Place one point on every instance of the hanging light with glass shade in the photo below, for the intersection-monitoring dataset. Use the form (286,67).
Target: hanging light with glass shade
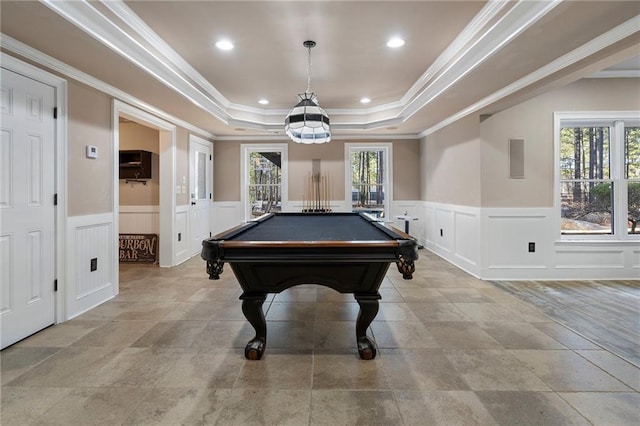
(308,123)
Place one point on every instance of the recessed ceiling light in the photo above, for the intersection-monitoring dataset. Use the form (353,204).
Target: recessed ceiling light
(395,42)
(365,100)
(263,101)
(224,45)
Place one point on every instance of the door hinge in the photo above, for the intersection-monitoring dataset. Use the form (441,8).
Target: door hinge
(210,235)
(210,196)
(55,285)
(210,157)
(55,199)
(55,113)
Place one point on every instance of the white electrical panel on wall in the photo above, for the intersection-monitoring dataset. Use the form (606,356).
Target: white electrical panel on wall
(92,151)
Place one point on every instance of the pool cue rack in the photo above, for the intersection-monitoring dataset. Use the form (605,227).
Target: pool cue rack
(317,195)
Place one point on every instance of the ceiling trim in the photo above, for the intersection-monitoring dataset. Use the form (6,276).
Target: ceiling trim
(618,33)
(28,52)
(616,74)
(520,17)
(467,36)
(86,17)
(496,25)
(132,38)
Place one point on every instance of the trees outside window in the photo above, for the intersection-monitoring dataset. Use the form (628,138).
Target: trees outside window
(599,171)
(264,178)
(369,173)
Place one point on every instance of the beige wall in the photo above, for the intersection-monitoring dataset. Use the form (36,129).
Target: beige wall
(90,181)
(132,135)
(226,171)
(533,122)
(406,155)
(182,164)
(450,160)
(467,162)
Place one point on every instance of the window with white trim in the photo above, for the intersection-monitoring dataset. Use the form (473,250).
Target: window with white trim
(264,177)
(598,184)
(368,177)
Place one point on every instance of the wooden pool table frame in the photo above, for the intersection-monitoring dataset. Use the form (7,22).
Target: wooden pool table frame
(264,267)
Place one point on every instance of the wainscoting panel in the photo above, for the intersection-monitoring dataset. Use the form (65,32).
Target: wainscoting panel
(139,220)
(508,234)
(182,234)
(226,215)
(467,238)
(634,256)
(411,208)
(453,233)
(444,229)
(90,238)
(577,258)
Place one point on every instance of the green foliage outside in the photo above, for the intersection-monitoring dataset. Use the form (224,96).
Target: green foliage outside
(602,201)
(585,160)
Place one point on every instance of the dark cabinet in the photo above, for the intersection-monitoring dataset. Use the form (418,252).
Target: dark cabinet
(135,164)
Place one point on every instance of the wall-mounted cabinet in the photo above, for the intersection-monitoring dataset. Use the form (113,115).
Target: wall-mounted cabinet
(135,164)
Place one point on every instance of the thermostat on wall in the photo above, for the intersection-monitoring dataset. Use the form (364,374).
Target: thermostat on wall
(92,151)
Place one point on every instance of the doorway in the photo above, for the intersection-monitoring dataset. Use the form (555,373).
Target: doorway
(166,176)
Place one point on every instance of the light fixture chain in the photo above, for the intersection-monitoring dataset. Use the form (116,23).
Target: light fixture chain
(309,71)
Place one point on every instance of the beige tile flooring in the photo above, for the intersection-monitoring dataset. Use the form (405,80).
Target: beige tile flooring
(452,350)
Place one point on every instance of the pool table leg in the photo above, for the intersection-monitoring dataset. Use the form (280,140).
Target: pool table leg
(368,311)
(252,310)
(406,268)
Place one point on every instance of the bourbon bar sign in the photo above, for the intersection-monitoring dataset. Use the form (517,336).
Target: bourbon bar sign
(138,248)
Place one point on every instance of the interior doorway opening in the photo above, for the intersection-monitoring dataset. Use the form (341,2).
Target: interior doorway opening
(166,170)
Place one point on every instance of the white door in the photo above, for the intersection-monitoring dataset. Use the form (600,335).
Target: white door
(27,216)
(200,174)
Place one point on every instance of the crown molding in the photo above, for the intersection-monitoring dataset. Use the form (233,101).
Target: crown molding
(616,74)
(618,33)
(44,60)
(154,62)
(497,24)
(520,17)
(133,39)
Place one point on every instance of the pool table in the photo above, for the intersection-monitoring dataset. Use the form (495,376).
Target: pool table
(348,252)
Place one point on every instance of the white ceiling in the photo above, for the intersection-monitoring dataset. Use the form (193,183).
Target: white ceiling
(460,57)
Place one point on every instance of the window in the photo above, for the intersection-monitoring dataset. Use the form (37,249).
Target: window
(264,177)
(598,174)
(368,188)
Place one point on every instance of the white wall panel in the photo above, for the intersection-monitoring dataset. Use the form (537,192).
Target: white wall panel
(182,237)
(466,237)
(635,259)
(90,237)
(225,215)
(507,235)
(577,258)
(443,238)
(139,220)
(460,239)
(412,209)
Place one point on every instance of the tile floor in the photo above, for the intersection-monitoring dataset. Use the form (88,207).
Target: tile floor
(452,350)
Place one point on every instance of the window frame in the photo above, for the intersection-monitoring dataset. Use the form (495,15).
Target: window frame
(616,121)
(246,150)
(387,147)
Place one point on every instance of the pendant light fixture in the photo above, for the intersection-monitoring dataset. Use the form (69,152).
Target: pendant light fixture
(308,123)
